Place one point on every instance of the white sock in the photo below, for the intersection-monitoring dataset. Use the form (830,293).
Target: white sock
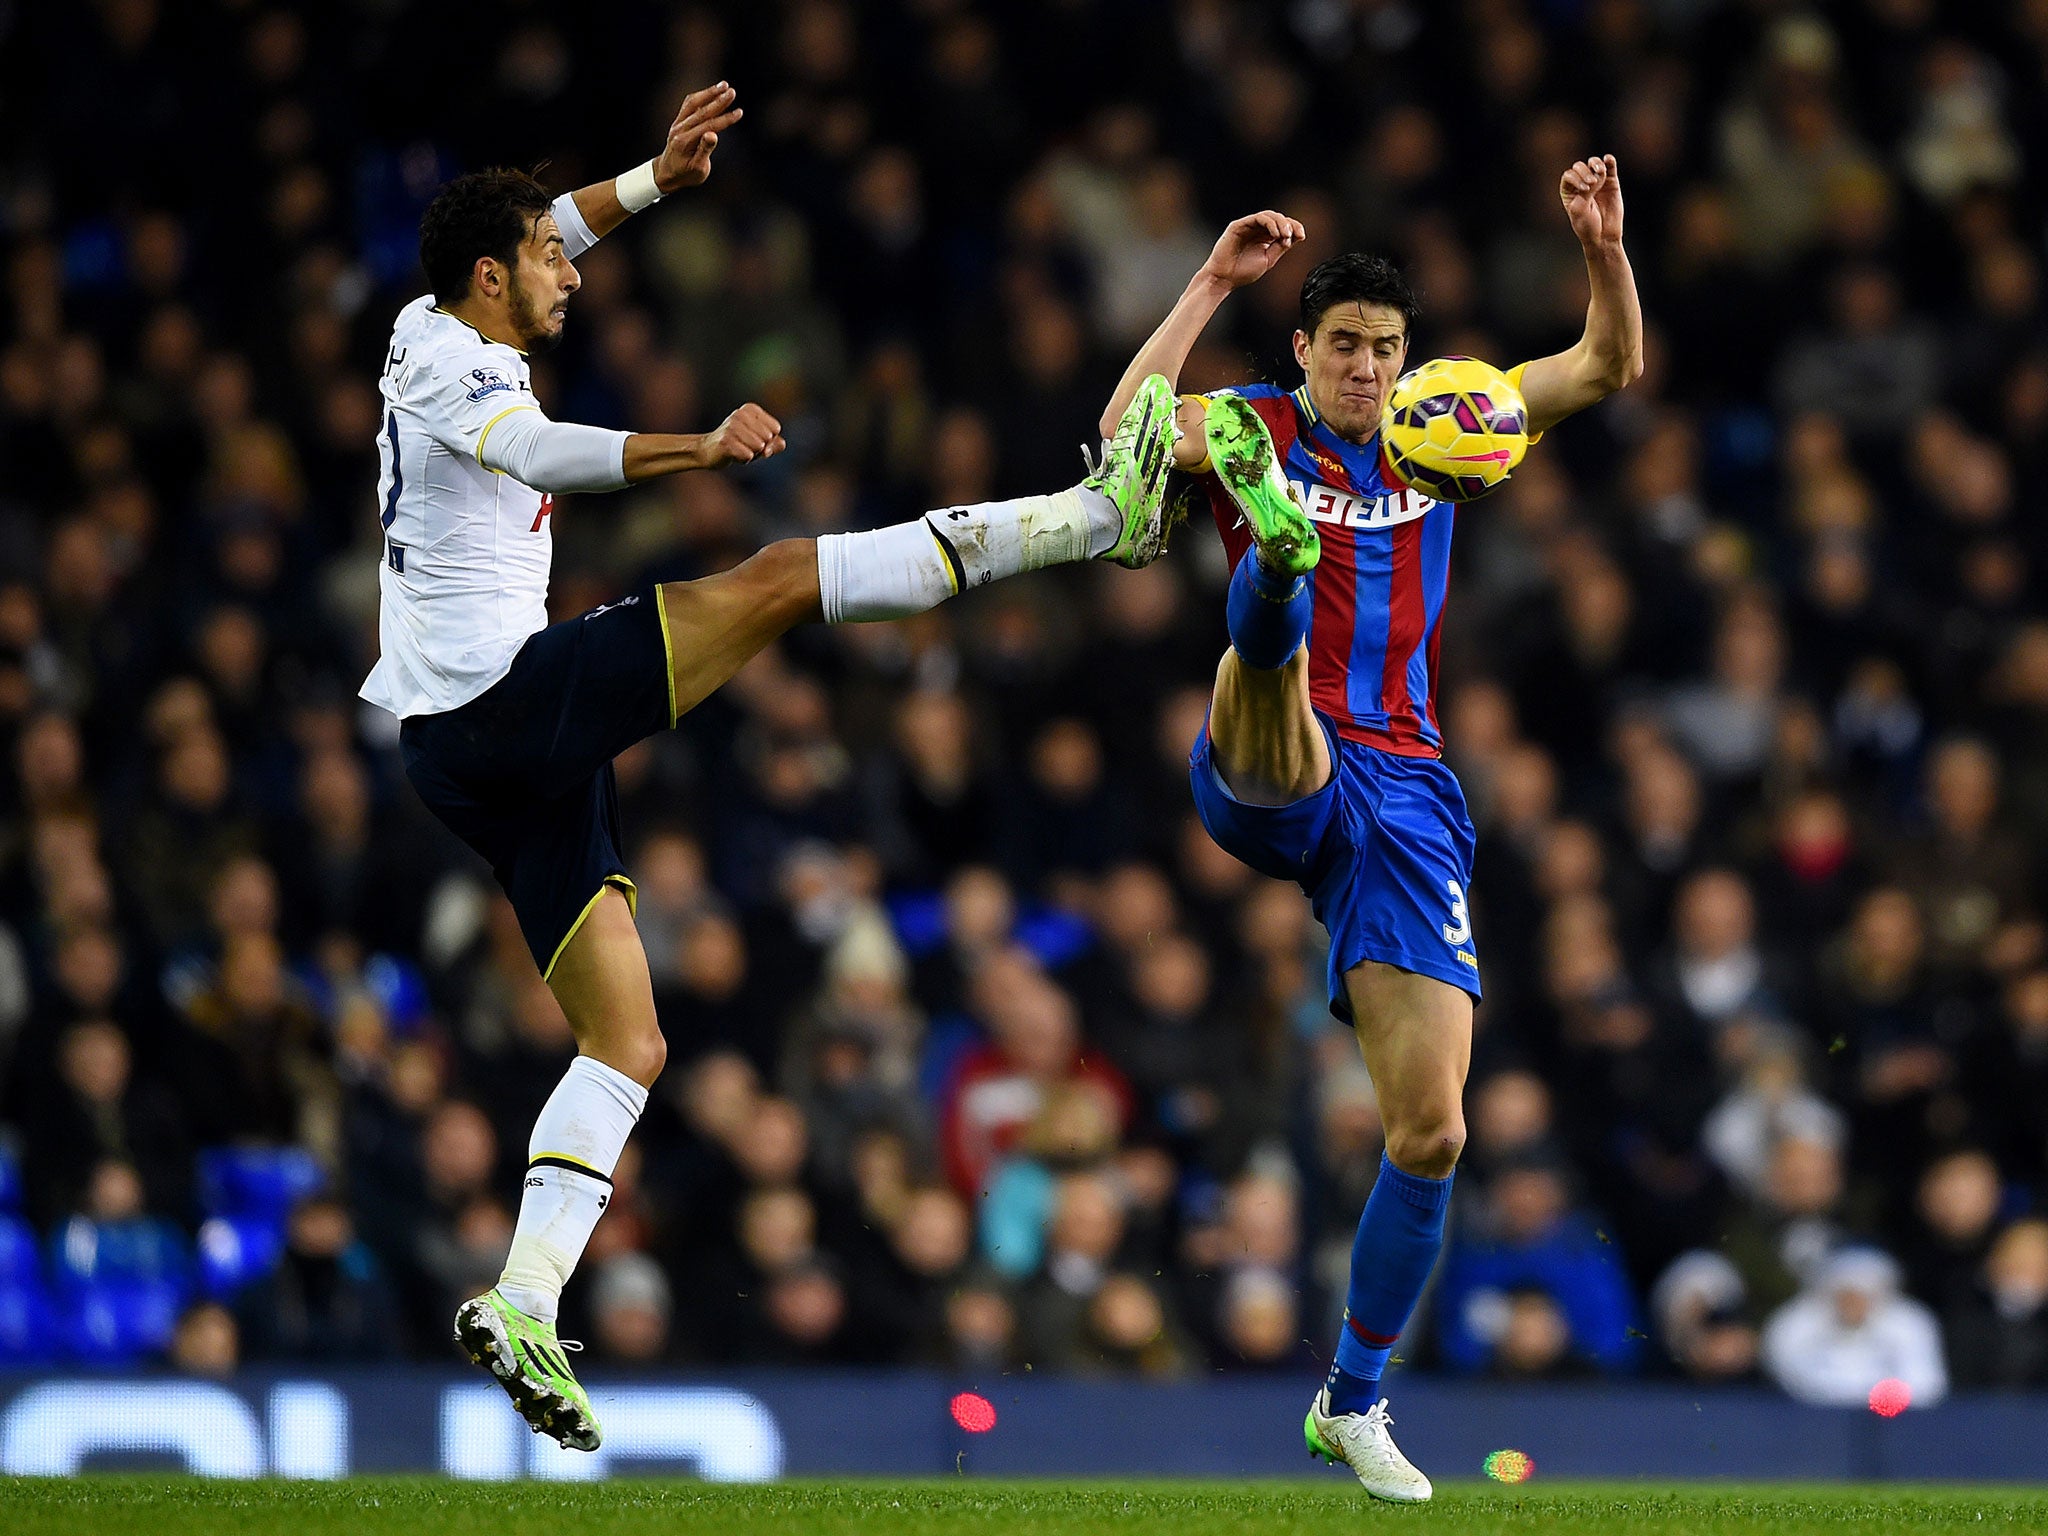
(892,573)
(576,1144)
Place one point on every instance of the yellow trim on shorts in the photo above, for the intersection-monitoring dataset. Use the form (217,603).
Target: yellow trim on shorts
(668,649)
(1203,401)
(563,1157)
(632,894)
(485,435)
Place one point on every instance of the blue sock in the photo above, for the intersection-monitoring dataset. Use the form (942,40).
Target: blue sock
(1268,614)
(1396,1247)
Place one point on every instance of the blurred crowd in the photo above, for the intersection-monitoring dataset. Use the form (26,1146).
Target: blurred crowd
(982,1055)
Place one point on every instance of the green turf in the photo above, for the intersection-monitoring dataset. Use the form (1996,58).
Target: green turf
(151,1506)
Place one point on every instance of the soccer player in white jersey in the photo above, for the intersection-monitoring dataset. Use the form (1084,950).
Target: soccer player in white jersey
(510,724)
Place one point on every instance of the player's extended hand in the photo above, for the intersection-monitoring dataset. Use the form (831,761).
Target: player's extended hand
(1591,191)
(1251,246)
(749,433)
(685,160)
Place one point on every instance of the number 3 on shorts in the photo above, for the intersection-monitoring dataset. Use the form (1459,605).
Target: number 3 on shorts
(1459,928)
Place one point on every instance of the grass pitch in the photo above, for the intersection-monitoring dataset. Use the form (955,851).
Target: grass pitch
(160,1506)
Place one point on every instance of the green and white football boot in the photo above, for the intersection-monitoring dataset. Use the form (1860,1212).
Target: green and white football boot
(1363,1443)
(1133,472)
(1241,454)
(529,1363)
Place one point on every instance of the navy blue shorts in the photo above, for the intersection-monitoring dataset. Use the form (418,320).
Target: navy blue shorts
(523,772)
(1384,851)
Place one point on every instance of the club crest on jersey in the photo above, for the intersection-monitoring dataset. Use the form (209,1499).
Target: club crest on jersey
(1326,504)
(486,381)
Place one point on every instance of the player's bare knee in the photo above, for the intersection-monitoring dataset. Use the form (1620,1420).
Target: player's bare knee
(1427,1145)
(640,1056)
(787,574)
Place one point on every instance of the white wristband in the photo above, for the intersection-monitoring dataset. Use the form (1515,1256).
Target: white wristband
(636,188)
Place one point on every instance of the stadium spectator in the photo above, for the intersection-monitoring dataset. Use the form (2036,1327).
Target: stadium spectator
(1537,1288)
(1779,1240)
(326,1300)
(998,1089)
(900,1302)
(1699,1305)
(630,1302)
(206,1342)
(1715,970)
(97,1109)
(1851,1329)
(1956,1210)
(1998,1336)
(1082,1239)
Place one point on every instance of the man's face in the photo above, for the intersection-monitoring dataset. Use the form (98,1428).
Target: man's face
(1352,362)
(538,287)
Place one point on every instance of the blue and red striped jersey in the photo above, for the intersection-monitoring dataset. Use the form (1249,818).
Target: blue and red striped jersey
(1380,589)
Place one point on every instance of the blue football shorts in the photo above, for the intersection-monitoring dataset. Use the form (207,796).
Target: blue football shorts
(1384,851)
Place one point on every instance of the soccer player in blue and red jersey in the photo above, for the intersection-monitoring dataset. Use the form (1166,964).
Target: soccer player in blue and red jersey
(1321,761)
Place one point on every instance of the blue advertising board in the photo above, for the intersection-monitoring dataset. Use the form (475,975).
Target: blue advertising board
(757,1426)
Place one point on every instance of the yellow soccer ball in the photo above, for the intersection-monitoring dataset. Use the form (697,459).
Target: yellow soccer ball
(1455,429)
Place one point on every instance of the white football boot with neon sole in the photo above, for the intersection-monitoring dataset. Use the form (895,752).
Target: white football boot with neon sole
(1362,1442)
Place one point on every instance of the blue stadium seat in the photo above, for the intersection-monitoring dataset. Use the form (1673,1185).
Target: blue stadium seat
(84,1253)
(262,1183)
(27,1323)
(1054,936)
(236,1251)
(28,1331)
(398,985)
(118,1287)
(113,1322)
(21,1259)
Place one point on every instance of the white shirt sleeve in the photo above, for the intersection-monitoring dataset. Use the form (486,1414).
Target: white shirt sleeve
(576,235)
(556,455)
(477,403)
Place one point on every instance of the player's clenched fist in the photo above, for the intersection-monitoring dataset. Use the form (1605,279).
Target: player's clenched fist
(749,433)
(1251,246)
(1591,192)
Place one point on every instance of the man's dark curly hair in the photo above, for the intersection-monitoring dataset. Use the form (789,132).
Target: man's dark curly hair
(485,213)
(1356,278)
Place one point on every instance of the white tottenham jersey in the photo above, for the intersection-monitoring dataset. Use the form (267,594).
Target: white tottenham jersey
(467,550)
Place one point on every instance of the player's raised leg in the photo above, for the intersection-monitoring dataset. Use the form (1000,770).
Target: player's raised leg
(715,625)
(1268,744)
(601,980)
(1116,514)
(1416,1035)
(710,629)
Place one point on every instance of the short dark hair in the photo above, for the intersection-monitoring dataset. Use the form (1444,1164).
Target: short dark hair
(485,213)
(1356,278)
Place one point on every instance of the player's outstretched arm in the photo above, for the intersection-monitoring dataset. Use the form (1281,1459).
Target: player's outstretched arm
(749,433)
(1609,356)
(562,456)
(684,161)
(1246,252)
